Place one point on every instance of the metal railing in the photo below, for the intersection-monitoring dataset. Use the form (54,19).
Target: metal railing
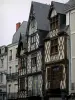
(12,95)
(11,76)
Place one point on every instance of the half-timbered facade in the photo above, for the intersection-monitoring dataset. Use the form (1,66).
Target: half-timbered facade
(22,62)
(56,55)
(37,28)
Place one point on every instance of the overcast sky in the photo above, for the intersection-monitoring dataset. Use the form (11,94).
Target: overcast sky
(11,12)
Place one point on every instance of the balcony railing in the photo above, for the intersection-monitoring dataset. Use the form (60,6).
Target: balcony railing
(12,76)
(22,94)
(34,93)
(12,96)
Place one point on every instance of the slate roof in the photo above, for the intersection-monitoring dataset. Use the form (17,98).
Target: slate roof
(41,15)
(21,30)
(71,4)
(59,7)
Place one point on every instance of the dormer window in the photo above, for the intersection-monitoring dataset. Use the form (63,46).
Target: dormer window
(54,22)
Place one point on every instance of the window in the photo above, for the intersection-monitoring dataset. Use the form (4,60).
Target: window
(54,75)
(34,85)
(10,56)
(10,70)
(54,46)
(16,53)
(9,88)
(2,62)
(5,49)
(15,88)
(48,74)
(22,62)
(1,77)
(22,84)
(33,39)
(25,62)
(0,51)
(16,67)
(33,60)
(54,22)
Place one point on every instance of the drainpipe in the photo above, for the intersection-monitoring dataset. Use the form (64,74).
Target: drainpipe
(6,76)
(70,59)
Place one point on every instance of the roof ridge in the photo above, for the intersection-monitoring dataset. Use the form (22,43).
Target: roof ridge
(58,2)
(24,21)
(40,3)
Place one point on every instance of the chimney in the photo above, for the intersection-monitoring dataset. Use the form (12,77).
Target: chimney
(18,25)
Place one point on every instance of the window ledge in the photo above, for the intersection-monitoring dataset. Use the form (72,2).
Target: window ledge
(54,54)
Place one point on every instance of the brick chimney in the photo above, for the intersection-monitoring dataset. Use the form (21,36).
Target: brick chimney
(18,25)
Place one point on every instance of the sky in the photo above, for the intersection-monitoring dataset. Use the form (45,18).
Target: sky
(12,12)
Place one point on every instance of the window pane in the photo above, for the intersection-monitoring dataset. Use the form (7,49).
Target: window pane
(33,39)
(16,67)
(48,74)
(22,83)
(33,61)
(2,62)
(1,77)
(54,46)
(10,55)
(54,22)
(10,70)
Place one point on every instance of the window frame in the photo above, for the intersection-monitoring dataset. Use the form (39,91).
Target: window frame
(9,88)
(54,22)
(2,63)
(16,53)
(1,77)
(16,67)
(10,69)
(22,83)
(33,39)
(53,70)
(22,63)
(10,55)
(0,50)
(48,74)
(33,60)
(54,46)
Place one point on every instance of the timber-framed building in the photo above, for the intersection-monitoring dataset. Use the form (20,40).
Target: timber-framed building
(44,53)
(56,51)
(31,58)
